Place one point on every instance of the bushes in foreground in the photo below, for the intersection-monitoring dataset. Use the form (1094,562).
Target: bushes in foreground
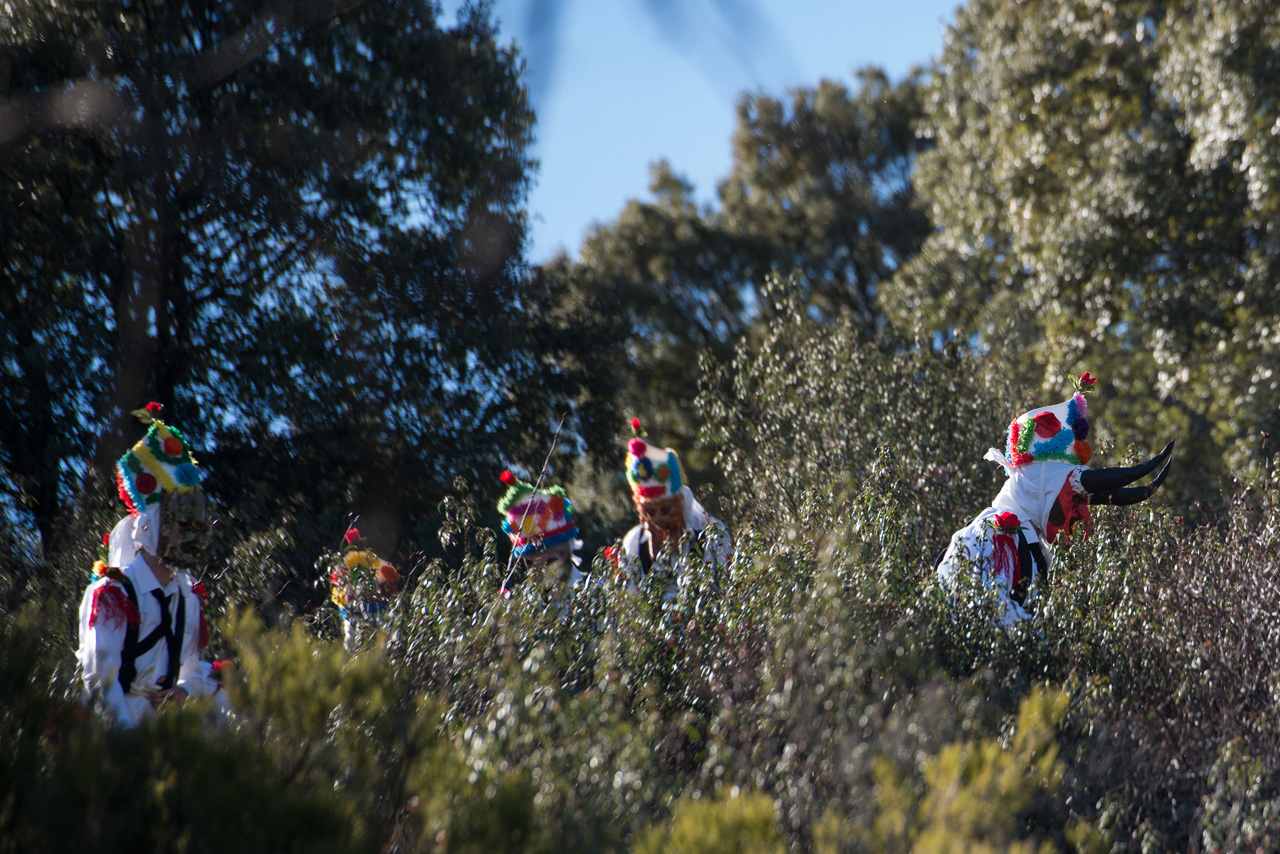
(824,697)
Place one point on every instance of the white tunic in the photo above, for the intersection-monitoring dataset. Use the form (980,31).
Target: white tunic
(1030,492)
(717,546)
(101,646)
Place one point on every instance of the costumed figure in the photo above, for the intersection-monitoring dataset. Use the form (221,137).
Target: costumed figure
(141,622)
(543,534)
(667,511)
(362,586)
(1048,492)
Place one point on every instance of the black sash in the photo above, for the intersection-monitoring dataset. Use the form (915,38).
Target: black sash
(1028,556)
(171,631)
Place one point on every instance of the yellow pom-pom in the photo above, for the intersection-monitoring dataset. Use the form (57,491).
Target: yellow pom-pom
(355,558)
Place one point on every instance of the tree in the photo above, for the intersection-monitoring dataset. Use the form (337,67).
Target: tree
(819,188)
(1102,202)
(298,225)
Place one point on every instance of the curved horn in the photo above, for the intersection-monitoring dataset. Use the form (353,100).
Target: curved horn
(1105,480)
(1125,495)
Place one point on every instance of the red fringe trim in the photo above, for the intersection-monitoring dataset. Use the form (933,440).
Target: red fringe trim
(124,493)
(204,631)
(1004,559)
(112,604)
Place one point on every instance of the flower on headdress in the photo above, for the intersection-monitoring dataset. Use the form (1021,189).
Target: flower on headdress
(635,426)
(1085,384)
(352,535)
(507,477)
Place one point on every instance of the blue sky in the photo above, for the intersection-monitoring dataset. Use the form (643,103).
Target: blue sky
(616,87)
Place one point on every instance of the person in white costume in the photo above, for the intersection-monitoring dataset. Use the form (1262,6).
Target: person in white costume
(674,527)
(141,624)
(1050,486)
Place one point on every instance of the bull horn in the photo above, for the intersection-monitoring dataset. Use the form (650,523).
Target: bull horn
(1106,480)
(1125,495)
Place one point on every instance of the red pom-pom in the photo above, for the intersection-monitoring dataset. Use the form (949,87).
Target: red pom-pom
(1048,425)
(635,425)
(352,535)
(507,477)
(637,447)
(154,408)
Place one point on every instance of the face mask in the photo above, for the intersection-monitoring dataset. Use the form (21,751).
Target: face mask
(1070,508)
(187,530)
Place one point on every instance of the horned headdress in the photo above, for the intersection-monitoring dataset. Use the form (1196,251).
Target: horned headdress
(1048,491)
(1049,446)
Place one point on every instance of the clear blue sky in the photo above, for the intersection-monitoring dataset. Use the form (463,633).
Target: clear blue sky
(616,87)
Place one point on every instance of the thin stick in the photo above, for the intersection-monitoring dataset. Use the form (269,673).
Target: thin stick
(511,561)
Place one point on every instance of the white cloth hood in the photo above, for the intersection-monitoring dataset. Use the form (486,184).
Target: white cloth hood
(133,534)
(1032,490)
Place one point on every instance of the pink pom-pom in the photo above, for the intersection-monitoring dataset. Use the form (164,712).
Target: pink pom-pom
(637,447)
(507,477)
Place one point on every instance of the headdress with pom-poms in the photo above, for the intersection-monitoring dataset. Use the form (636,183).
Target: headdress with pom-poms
(1056,433)
(160,463)
(357,576)
(535,519)
(652,471)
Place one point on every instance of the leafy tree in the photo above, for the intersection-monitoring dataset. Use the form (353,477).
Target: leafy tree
(818,188)
(300,227)
(1102,202)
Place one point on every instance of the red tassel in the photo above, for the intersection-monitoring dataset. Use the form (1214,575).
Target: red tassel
(112,604)
(1004,559)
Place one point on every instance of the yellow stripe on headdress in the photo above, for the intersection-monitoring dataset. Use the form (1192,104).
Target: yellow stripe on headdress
(155,467)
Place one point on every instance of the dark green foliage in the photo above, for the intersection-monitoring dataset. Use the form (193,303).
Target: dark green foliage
(819,191)
(300,227)
(1104,194)
(327,227)
(826,679)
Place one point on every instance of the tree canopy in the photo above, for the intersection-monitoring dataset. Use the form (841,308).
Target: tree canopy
(1102,185)
(299,226)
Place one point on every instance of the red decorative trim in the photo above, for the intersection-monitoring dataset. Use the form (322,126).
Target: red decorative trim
(112,604)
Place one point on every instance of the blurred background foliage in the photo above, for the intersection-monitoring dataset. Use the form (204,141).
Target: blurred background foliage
(301,227)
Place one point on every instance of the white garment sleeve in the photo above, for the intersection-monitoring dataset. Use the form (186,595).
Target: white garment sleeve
(99,655)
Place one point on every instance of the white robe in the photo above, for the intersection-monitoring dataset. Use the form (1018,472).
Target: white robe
(102,645)
(1030,492)
(717,546)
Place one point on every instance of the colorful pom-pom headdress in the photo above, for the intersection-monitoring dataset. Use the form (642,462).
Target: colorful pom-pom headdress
(1056,433)
(160,463)
(653,472)
(535,519)
(359,579)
